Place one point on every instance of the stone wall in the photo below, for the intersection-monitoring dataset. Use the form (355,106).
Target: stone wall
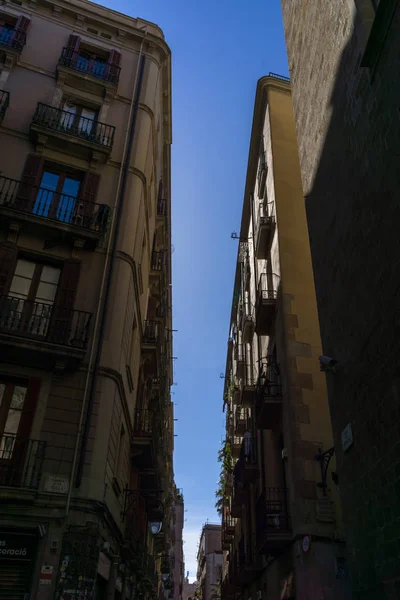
(348,128)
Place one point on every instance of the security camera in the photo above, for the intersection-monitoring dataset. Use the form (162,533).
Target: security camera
(327,363)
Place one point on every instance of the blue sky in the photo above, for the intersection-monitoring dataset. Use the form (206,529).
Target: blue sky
(220,49)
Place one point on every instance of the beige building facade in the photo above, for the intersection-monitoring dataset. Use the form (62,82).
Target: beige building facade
(209,562)
(86,419)
(281,522)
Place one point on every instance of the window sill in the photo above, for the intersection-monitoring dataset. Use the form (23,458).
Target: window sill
(379,30)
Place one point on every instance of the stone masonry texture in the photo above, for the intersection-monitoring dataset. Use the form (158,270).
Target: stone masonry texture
(348,128)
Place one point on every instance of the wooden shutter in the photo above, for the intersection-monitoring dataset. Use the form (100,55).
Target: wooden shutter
(64,302)
(8,261)
(27,191)
(74,41)
(87,197)
(29,408)
(18,37)
(113,64)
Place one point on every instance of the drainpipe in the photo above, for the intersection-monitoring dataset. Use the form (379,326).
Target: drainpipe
(98,330)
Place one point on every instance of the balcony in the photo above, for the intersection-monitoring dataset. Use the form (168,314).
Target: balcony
(239,493)
(262,174)
(264,231)
(82,65)
(250,564)
(143,441)
(236,446)
(161,208)
(273,523)
(158,271)
(266,303)
(21,462)
(248,322)
(32,333)
(48,209)
(240,421)
(248,390)
(4,102)
(246,469)
(151,348)
(12,39)
(240,358)
(228,525)
(268,396)
(69,133)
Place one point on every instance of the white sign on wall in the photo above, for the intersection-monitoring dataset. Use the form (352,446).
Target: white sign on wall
(56,484)
(347,437)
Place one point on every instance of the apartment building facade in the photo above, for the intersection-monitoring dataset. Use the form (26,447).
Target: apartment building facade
(281,524)
(86,419)
(347,119)
(209,562)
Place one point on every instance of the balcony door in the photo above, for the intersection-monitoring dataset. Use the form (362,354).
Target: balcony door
(17,405)
(79,120)
(57,196)
(31,298)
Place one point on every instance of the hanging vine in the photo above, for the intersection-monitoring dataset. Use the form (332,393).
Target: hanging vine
(225,458)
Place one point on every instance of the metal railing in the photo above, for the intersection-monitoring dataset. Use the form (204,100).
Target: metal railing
(83,128)
(12,38)
(21,461)
(265,216)
(4,102)
(228,522)
(157,260)
(151,332)
(276,76)
(51,205)
(268,286)
(38,320)
(272,510)
(144,421)
(85,63)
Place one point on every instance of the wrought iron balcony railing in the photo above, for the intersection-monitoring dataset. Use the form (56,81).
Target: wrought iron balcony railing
(84,63)
(151,332)
(276,76)
(12,38)
(38,320)
(157,260)
(21,461)
(55,206)
(267,286)
(248,451)
(272,513)
(144,421)
(83,128)
(4,102)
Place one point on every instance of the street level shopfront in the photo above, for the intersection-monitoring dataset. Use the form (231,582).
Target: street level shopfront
(17,554)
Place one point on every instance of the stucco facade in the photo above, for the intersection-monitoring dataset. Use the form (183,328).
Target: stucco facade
(209,562)
(346,102)
(86,426)
(281,519)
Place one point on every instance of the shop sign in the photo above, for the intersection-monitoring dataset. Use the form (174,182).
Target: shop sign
(56,484)
(17,545)
(46,575)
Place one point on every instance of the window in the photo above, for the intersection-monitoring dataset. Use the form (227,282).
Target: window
(31,298)
(78,118)
(6,31)
(57,196)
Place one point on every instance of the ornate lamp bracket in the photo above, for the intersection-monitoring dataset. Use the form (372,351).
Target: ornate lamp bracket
(324,458)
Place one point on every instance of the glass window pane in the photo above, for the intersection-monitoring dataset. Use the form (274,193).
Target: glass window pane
(71,187)
(20,287)
(18,398)
(46,292)
(50,275)
(50,181)
(25,268)
(12,422)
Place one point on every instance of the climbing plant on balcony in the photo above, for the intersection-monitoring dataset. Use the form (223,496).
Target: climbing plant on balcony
(225,458)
